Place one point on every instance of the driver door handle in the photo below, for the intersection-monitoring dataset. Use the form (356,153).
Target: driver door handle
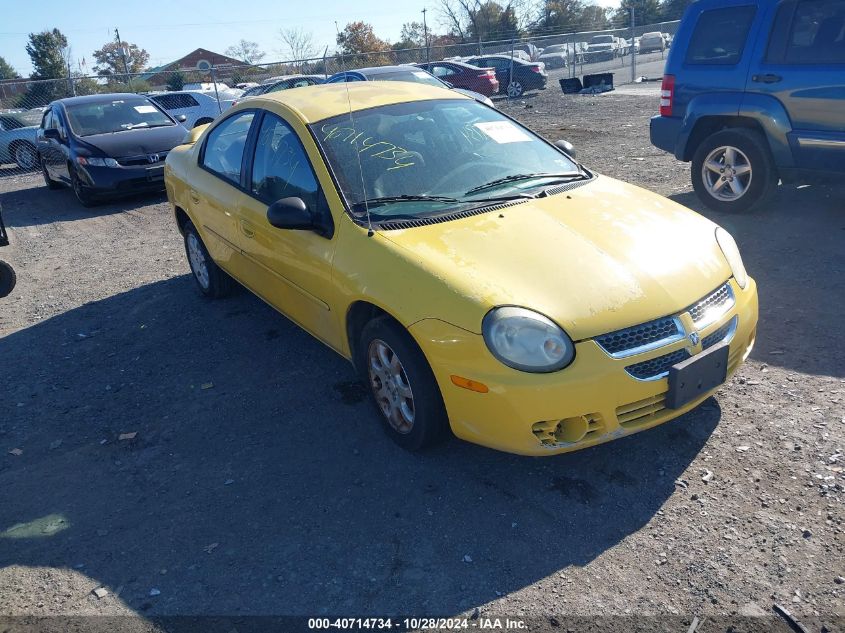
(195,197)
(768,78)
(247,230)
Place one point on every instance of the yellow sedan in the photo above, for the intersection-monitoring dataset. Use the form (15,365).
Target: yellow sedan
(478,277)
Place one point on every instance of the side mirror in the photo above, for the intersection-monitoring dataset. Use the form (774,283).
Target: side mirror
(290,213)
(566,147)
(52,133)
(181,118)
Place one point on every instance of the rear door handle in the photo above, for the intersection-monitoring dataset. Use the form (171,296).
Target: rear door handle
(768,78)
(195,197)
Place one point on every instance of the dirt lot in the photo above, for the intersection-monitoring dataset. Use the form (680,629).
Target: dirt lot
(260,483)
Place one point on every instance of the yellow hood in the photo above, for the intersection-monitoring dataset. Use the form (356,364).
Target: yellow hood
(601,257)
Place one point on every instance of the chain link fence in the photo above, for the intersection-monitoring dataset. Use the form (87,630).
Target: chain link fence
(203,94)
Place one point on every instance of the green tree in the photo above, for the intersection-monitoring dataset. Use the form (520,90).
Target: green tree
(110,60)
(46,50)
(673,9)
(176,80)
(6,70)
(646,12)
(412,36)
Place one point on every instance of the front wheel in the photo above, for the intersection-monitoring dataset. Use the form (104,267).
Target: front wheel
(402,385)
(51,184)
(733,170)
(82,193)
(7,279)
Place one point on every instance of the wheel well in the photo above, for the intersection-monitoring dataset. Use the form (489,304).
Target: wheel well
(709,125)
(202,121)
(181,219)
(359,314)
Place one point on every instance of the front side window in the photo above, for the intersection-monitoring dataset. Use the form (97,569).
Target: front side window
(47,121)
(817,35)
(443,153)
(118,115)
(281,168)
(224,147)
(719,36)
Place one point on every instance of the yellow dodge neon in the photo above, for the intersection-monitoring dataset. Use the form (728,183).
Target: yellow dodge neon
(476,275)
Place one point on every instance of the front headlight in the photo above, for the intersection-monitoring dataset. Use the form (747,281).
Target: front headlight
(96,161)
(526,340)
(731,252)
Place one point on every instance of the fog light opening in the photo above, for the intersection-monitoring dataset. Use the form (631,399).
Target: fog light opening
(572,430)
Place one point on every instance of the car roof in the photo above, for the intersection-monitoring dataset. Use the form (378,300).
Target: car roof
(327,100)
(101,98)
(517,60)
(455,63)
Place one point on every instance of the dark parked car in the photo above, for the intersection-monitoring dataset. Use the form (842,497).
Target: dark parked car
(753,93)
(285,83)
(466,76)
(106,145)
(402,73)
(516,75)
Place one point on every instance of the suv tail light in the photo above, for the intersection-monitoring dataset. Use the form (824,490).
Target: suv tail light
(667,95)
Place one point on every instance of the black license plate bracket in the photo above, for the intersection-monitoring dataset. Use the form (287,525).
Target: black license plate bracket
(696,376)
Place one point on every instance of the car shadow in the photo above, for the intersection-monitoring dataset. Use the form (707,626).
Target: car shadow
(253,477)
(36,205)
(793,247)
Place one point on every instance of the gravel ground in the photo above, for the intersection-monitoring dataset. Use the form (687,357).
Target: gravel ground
(258,481)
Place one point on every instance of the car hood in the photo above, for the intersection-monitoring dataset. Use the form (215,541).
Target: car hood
(601,257)
(139,141)
(601,47)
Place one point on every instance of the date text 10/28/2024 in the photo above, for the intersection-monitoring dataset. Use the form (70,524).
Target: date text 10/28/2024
(416,624)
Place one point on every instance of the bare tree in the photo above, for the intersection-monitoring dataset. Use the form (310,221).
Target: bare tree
(246,51)
(298,43)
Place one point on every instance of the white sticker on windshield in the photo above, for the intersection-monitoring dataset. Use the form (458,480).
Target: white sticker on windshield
(145,109)
(503,132)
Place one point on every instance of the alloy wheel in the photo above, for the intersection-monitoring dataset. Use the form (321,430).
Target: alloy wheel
(514,89)
(726,173)
(390,386)
(25,157)
(196,257)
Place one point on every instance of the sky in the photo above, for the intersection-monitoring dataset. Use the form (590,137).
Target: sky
(169,29)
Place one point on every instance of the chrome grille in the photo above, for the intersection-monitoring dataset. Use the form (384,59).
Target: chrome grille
(135,161)
(657,367)
(641,338)
(720,335)
(714,305)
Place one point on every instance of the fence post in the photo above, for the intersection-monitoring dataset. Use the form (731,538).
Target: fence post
(216,95)
(633,48)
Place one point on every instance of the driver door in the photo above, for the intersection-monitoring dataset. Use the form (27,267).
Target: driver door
(290,269)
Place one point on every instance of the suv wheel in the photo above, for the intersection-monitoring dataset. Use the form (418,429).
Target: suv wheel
(7,279)
(733,170)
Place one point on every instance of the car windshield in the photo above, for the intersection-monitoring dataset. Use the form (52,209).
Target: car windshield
(119,115)
(415,76)
(427,157)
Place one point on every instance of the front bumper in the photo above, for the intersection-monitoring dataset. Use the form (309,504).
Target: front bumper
(122,180)
(592,401)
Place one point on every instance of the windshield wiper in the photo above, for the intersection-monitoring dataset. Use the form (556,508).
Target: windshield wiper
(375,202)
(516,177)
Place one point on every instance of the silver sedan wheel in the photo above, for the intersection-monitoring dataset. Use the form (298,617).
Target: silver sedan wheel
(514,89)
(196,257)
(726,173)
(390,386)
(25,157)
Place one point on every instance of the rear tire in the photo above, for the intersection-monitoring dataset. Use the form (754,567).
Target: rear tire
(8,279)
(401,385)
(211,280)
(733,170)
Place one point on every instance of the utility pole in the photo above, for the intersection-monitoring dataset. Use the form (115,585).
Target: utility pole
(425,36)
(633,48)
(123,54)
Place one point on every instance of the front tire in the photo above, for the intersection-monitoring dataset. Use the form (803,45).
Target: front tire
(49,182)
(211,280)
(86,199)
(402,385)
(8,279)
(733,170)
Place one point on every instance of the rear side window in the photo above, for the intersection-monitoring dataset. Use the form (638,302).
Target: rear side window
(174,102)
(224,149)
(719,36)
(817,33)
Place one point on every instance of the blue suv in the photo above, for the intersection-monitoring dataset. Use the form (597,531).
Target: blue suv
(754,92)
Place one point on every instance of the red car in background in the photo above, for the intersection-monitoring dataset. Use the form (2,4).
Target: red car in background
(465,76)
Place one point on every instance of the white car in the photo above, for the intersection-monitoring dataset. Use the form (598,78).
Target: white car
(198,106)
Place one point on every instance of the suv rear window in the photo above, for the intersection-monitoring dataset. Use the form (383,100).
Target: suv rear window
(719,35)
